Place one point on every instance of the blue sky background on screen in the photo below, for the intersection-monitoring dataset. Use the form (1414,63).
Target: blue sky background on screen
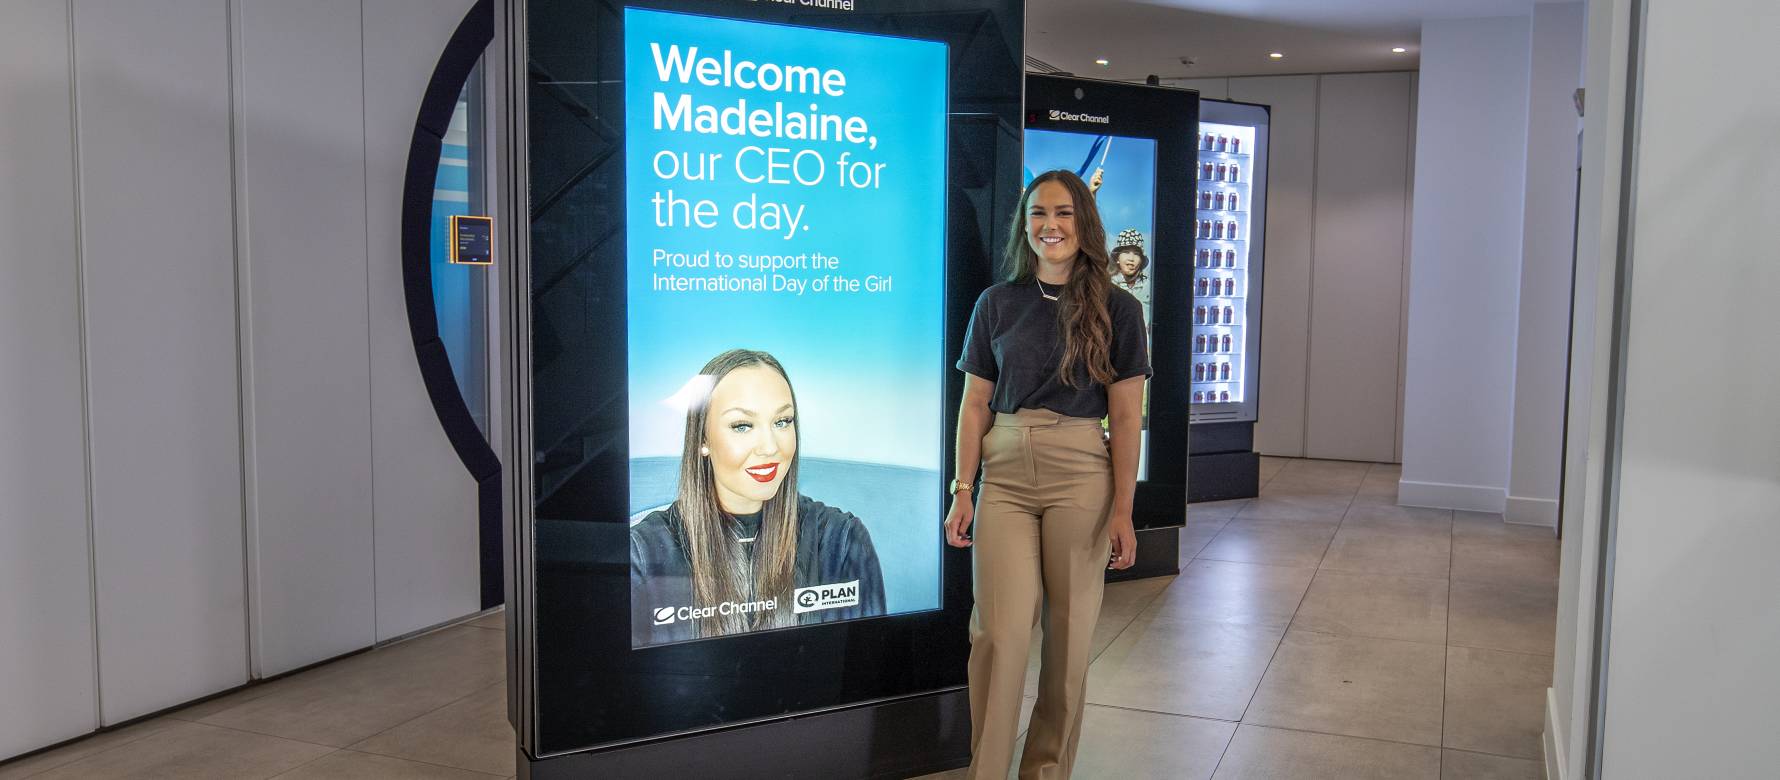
(867,367)
(1127,196)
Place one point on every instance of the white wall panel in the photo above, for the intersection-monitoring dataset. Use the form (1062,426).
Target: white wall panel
(47,688)
(1356,293)
(1285,310)
(1546,264)
(426,530)
(1691,687)
(302,195)
(158,242)
(1470,170)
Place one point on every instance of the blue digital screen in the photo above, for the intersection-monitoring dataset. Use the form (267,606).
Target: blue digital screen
(785,292)
(1121,171)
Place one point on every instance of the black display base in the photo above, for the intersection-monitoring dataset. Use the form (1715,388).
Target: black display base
(1158,555)
(1223,476)
(1223,463)
(895,739)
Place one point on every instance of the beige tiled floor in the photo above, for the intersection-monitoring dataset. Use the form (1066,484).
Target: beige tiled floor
(1319,631)
(429,707)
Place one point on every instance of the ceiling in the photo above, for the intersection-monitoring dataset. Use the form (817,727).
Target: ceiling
(1234,37)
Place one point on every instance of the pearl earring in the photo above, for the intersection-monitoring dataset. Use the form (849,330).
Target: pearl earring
(705,451)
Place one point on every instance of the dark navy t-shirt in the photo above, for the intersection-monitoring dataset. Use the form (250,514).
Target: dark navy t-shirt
(1016,342)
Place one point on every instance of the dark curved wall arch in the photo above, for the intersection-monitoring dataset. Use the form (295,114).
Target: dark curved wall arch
(466,46)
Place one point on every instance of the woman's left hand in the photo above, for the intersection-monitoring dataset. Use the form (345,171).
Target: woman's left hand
(1124,542)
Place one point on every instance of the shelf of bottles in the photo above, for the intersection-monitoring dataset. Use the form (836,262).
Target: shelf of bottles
(1220,263)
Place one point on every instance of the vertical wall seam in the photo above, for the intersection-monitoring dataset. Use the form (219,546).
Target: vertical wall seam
(1526,159)
(1608,535)
(1403,275)
(1316,156)
(364,121)
(243,344)
(86,391)
(242,217)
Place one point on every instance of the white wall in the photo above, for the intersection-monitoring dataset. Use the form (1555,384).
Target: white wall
(1338,190)
(157,240)
(1470,169)
(423,546)
(1547,241)
(1597,221)
(304,298)
(203,338)
(1290,249)
(1356,303)
(47,655)
(1692,690)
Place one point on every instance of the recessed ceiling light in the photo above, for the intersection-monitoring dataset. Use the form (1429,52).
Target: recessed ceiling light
(1277,56)
(1398,50)
(1101,62)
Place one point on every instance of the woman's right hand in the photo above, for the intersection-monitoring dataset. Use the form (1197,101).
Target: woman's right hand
(958,520)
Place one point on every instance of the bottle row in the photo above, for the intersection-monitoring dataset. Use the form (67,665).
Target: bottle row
(1212,343)
(1218,142)
(1209,257)
(1211,396)
(1224,172)
(1212,372)
(1218,200)
(1218,230)
(1214,287)
(1212,315)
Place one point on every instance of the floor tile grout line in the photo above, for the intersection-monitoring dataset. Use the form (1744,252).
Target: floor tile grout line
(304,764)
(1274,656)
(1441,748)
(419,761)
(71,743)
(422,715)
(1164,713)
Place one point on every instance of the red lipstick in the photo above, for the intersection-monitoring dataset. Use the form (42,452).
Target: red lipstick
(764,472)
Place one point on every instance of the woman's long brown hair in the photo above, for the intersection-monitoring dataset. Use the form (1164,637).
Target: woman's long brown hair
(720,562)
(1082,313)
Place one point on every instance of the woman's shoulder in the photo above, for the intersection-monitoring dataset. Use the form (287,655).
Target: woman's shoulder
(1001,291)
(827,520)
(1121,300)
(659,528)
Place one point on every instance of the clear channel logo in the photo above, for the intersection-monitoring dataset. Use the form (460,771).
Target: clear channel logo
(1070,116)
(820,597)
(665,615)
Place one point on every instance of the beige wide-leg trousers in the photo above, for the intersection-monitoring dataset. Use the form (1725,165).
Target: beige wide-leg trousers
(1040,546)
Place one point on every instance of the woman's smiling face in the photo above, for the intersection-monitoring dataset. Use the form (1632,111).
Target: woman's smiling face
(751,430)
(1050,223)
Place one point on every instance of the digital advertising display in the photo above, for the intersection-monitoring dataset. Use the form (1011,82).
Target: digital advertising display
(785,297)
(1121,172)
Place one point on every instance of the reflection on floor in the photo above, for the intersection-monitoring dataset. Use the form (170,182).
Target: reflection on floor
(1318,631)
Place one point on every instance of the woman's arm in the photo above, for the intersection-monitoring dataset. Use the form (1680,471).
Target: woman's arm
(973,423)
(1125,415)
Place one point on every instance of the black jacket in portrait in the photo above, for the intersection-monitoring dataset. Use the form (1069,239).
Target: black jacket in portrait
(833,547)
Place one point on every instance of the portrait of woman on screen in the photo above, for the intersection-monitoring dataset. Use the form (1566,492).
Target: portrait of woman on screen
(740,549)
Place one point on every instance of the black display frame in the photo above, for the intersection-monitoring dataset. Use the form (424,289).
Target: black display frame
(1170,117)
(585,690)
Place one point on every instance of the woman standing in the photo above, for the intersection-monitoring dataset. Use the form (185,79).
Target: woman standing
(1050,352)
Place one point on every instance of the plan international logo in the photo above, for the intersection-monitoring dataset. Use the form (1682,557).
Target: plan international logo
(1067,116)
(840,594)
